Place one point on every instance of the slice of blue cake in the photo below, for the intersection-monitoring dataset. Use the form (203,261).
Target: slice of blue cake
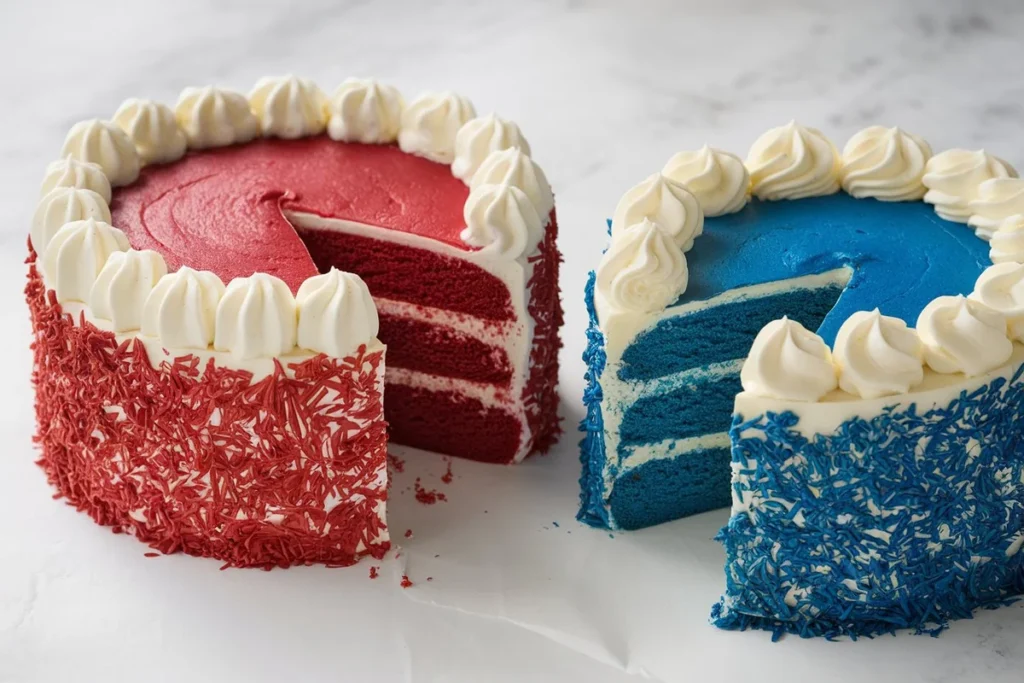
(854,471)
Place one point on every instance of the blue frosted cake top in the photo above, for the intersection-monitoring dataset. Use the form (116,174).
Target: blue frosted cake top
(902,254)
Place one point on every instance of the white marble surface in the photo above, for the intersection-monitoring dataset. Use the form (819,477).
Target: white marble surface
(605,91)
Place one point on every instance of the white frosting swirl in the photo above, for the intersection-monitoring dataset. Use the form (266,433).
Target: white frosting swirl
(336,314)
(789,362)
(963,335)
(478,138)
(884,163)
(64,205)
(1007,242)
(718,179)
(793,162)
(1001,288)
(107,146)
(124,283)
(877,355)
(152,129)
(643,271)
(364,110)
(181,310)
(430,124)
(70,172)
(997,199)
(76,255)
(954,177)
(256,317)
(214,117)
(513,167)
(288,107)
(665,202)
(501,221)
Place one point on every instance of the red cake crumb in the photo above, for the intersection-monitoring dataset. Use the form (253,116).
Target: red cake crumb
(447,477)
(408,533)
(430,578)
(373,572)
(168,454)
(406,583)
(427,496)
(396,463)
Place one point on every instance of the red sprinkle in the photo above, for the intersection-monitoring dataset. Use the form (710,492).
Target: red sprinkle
(151,554)
(426,496)
(406,583)
(210,464)
(373,572)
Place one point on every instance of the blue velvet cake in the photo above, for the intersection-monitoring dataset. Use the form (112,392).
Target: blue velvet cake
(842,366)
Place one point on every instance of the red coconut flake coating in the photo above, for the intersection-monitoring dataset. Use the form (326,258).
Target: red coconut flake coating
(428,496)
(540,395)
(209,463)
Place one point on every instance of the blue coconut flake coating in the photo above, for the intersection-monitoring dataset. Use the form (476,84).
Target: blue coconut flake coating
(592,447)
(900,521)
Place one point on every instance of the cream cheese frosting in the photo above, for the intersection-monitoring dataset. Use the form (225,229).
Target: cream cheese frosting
(501,220)
(515,167)
(793,162)
(718,179)
(963,335)
(954,178)
(70,172)
(336,314)
(787,361)
(364,110)
(76,254)
(1001,288)
(884,163)
(123,285)
(103,143)
(181,310)
(996,200)
(215,117)
(1007,242)
(644,269)
(430,124)
(479,137)
(64,205)
(288,107)
(257,316)
(152,129)
(665,202)
(877,355)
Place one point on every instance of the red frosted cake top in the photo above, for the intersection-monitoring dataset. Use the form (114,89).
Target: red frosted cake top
(220,209)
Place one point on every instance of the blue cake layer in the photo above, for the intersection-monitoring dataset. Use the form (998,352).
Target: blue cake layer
(666,489)
(694,409)
(720,333)
(941,493)
(902,253)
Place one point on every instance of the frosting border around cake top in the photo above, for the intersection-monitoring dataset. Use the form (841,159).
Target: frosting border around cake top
(250,322)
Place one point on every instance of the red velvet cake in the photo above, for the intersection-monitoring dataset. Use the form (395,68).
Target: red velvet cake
(210,372)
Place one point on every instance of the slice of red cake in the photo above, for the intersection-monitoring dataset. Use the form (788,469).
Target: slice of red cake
(217,386)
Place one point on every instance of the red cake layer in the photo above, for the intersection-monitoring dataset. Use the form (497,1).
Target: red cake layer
(220,209)
(402,273)
(446,422)
(167,453)
(439,350)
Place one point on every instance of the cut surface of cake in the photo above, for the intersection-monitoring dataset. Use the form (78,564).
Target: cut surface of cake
(858,475)
(214,289)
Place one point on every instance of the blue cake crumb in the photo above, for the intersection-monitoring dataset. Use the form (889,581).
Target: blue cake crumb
(592,448)
(948,483)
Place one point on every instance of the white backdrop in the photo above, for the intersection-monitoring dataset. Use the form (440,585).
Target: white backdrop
(507,586)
